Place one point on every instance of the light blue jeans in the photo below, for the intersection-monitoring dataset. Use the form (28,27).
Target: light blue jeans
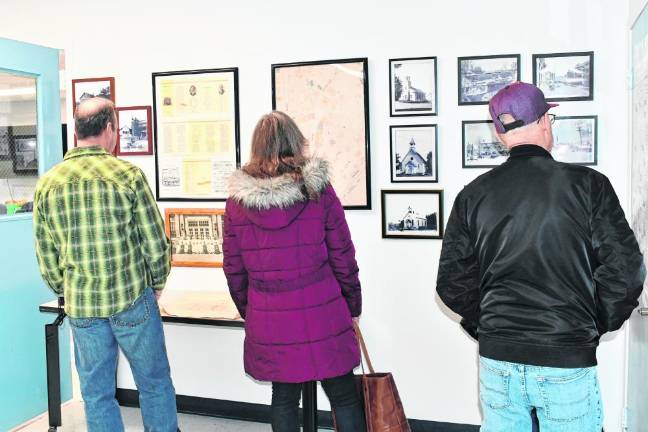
(566,400)
(138,332)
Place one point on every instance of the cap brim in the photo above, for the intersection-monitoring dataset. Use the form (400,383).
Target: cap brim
(552,105)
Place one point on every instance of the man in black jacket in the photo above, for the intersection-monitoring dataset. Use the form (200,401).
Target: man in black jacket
(539,261)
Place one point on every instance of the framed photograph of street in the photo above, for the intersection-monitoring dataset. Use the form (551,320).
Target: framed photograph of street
(196,133)
(575,139)
(413,86)
(135,137)
(412,214)
(480,77)
(196,236)
(329,100)
(414,153)
(480,145)
(565,76)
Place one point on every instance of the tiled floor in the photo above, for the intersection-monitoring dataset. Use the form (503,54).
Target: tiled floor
(74,421)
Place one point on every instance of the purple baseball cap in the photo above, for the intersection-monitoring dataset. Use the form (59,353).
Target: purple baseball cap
(524,102)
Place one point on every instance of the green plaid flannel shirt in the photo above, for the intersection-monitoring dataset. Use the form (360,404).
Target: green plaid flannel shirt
(100,239)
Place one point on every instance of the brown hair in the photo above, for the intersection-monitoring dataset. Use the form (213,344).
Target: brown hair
(277,147)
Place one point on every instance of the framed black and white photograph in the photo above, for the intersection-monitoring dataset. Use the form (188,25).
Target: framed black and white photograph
(481,77)
(565,76)
(135,137)
(87,88)
(575,139)
(24,154)
(412,214)
(481,147)
(413,86)
(196,236)
(414,153)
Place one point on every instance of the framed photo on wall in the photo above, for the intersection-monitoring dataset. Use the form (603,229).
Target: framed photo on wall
(480,146)
(87,88)
(575,139)
(413,86)
(135,137)
(329,101)
(196,133)
(24,151)
(481,77)
(565,76)
(414,153)
(196,236)
(412,214)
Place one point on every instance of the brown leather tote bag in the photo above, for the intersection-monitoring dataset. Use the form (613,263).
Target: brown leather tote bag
(382,404)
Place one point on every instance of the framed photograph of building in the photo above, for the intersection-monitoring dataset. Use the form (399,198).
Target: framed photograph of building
(24,154)
(87,88)
(412,214)
(482,76)
(413,86)
(575,139)
(565,76)
(135,137)
(329,100)
(480,145)
(414,153)
(196,236)
(196,126)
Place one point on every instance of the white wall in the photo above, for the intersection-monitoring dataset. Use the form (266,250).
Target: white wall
(636,6)
(408,333)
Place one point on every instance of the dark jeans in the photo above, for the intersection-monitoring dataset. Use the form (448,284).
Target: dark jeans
(341,391)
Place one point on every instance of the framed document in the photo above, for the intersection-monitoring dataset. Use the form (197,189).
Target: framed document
(196,133)
(196,236)
(329,101)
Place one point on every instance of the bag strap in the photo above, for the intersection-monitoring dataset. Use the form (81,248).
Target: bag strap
(363,347)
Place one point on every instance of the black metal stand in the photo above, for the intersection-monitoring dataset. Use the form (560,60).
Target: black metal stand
(53,369)
(309,404)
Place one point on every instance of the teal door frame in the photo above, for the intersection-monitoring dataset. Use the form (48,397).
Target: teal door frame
(23,392)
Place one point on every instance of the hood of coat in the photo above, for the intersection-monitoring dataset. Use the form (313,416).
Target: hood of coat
(274,203)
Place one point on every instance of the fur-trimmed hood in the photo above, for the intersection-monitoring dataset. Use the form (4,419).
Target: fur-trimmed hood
(278,192)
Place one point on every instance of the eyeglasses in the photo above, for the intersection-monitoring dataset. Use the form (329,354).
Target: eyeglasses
(552,118)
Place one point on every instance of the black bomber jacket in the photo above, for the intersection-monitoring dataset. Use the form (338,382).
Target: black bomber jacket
(539,261)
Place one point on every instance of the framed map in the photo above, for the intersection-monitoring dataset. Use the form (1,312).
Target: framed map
(196,133)
(329,101)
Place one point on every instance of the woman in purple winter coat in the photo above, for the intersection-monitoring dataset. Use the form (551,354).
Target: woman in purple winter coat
(291,270)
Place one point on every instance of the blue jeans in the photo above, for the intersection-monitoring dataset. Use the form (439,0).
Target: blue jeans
(566,400)
(138,332)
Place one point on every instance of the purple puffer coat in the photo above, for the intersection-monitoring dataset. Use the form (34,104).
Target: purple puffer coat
(291,270)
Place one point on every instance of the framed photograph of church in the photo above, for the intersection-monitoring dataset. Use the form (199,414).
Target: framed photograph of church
(481,147)
(196,236)
(413,86)
(412,214)
(414,153)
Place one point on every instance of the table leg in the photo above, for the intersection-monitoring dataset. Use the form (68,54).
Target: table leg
(309,404)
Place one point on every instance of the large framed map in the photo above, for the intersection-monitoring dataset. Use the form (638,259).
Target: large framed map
(196,133)
(329,100)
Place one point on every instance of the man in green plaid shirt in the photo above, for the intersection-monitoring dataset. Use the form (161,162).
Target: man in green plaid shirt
(100,242)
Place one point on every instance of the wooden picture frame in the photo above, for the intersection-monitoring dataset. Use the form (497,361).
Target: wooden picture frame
(329,100)
(130,137)
(80,83)
(192,228)
(404,221)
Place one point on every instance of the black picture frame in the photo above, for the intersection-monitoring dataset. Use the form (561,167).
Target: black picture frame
(392,158)
(517,58)
(383,200)
(17,134)
(548,97)
(464,125)
(594,136)
(413,112)
(237,139)
(367,205)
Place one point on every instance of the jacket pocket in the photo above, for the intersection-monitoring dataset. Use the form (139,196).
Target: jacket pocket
(136,314)
(494,386)
(566,398)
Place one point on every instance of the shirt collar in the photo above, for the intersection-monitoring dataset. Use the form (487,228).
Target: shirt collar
(86,151)
(528,150)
